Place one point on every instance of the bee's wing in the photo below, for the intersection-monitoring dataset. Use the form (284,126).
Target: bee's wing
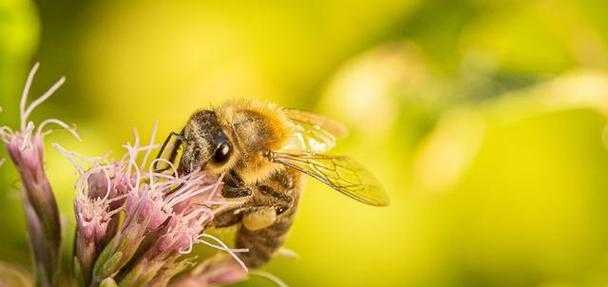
(338,172)
(313,133)
(335,128)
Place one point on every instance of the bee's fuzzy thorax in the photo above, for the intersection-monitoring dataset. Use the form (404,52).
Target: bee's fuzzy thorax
(268,116)
(256,127)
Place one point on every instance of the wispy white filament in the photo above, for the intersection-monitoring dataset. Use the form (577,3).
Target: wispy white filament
(26,90)
(222,246)
(42,98)
(27,129)
(274,279)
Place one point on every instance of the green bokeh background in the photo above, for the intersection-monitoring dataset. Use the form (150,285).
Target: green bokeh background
(486,121)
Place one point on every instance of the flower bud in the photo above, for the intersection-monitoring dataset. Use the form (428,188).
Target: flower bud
(108,282)
(180,232)
(219,270)
(25,148)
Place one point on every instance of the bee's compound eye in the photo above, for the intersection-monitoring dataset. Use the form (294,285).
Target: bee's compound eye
(222,152)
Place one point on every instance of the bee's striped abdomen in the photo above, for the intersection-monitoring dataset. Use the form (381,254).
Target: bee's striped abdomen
(263,243)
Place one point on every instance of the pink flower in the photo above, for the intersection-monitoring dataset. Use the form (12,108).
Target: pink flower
(164,215)
(134,226)
(26,149)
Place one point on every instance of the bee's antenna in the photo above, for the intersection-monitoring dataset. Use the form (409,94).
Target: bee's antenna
(179,140)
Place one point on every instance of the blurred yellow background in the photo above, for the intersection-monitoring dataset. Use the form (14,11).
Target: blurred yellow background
(485,120)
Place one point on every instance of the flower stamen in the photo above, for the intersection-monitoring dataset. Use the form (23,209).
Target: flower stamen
(222,246)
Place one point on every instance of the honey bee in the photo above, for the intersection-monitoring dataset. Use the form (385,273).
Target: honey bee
(263,150)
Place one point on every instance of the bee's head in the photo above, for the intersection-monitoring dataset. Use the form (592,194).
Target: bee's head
(205,145)
(234,137)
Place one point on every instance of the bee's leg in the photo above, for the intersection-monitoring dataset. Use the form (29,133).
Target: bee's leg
(236,192)
(276,202)
(238,202)
(272,203)
(264,242)
(228,217)
(234,187)
(261,218)
(172,151)
(239,197)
